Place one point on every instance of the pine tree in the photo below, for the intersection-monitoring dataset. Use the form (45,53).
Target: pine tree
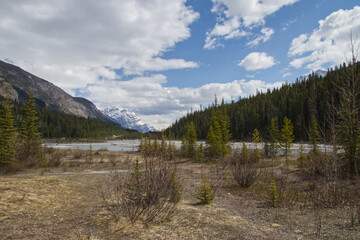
(30,129)
(190,138)
(224,123)
(7,133)
(287,137)
(256,140)
(214,133)
(274,136)
(273,195)
(175,189)
(135,188)
(219,131)
(205,192)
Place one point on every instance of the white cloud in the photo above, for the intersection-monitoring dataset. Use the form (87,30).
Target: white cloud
(74,43)
(329,43)
(264,36)
(287,74)
(228,29)
(257,60)
(159,105)
(235,15)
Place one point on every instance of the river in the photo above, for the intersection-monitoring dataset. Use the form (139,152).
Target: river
(133,145)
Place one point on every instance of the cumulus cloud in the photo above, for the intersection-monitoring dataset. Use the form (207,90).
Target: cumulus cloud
(264,36)
(257,60)
(228,29)
(74,43)
(237,15)
(159,105)
(329,43)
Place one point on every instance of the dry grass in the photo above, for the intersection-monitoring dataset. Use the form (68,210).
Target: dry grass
(68,206)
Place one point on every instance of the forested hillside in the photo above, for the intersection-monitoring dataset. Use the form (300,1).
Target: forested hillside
(54,124)
(315,95)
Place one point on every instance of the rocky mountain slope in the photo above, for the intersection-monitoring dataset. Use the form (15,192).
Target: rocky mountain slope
(127,119)
(17,84)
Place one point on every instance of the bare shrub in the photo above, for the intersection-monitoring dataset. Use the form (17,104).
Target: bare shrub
(55,159)
(244,170)
(113,159)
(151,192)
(78,154)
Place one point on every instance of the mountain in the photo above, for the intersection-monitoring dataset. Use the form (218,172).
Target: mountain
(17,84)
(127,119)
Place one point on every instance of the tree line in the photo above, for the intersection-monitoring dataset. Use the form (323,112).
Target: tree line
(54,124)
(298,101)
(316,109)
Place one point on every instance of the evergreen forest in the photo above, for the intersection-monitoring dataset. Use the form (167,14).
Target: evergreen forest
(54,124)
(321,97)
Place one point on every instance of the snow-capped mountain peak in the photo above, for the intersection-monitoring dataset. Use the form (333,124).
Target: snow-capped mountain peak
(127,119)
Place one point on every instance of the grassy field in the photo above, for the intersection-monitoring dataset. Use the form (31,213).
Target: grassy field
(64,202)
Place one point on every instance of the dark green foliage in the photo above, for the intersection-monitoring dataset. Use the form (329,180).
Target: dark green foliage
(297,101)
(190,140)
(30,131)
(54,124)
(219,134)
(7,134)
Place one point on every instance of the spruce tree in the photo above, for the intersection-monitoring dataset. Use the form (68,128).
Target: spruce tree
(273,195)
(7,133)
(214,133)
(287,137)
(274,136)
(205,192)
(219,131)
(224,128)
(190,138)
(256,140)
(30,129)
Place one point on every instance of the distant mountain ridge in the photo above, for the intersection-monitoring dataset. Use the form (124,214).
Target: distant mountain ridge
(127,119)
(17,84)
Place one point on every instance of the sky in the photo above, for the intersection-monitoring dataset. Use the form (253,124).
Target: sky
(164,58)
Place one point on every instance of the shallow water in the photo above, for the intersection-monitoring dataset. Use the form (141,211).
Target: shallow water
(133,145)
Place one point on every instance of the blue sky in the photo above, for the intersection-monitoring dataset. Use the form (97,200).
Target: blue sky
(161,58)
